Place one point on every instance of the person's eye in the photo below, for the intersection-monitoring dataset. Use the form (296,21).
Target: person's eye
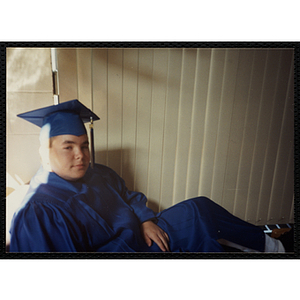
(68,148)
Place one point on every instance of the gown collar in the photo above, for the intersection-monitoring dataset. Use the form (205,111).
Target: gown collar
(52,179)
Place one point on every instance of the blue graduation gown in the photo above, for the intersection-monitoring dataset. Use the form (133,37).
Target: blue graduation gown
(99,214)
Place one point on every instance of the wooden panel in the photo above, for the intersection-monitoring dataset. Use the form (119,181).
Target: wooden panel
(184,123)
(129,130)
(115,107)
(272,142)
(198,122)
(211,122)
(249,135)
(170,127)
(84,69)
(67,74)
(143,119)
(283,181)
(159,87)
(224,124)
(100,105)
(292,212)
(285,214)
(238,119)
(258,211)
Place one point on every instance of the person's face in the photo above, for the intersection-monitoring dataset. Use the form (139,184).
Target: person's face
(69,156)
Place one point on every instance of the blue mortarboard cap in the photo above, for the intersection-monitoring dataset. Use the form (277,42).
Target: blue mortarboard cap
(64,118)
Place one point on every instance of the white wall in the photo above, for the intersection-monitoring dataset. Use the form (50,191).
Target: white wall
(28,86)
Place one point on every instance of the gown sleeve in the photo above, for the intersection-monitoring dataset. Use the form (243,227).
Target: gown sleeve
(136,200)
(42,227)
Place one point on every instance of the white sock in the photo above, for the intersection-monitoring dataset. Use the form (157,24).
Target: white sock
(273,245)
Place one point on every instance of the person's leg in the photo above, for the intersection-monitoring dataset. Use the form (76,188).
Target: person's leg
(188,228)
(232,228)
(198,223)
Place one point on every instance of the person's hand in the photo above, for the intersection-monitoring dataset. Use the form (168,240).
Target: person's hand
(152,232)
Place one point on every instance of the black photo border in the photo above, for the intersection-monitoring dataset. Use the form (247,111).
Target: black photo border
(236,255)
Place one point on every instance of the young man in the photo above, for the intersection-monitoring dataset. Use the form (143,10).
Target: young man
(73,207)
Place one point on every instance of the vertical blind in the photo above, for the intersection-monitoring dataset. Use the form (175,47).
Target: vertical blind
(179,123)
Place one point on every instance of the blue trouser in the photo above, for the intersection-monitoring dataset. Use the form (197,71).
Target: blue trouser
(195,225)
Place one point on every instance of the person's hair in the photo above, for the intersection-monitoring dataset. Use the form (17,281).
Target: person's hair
(51,141)
(45,146)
